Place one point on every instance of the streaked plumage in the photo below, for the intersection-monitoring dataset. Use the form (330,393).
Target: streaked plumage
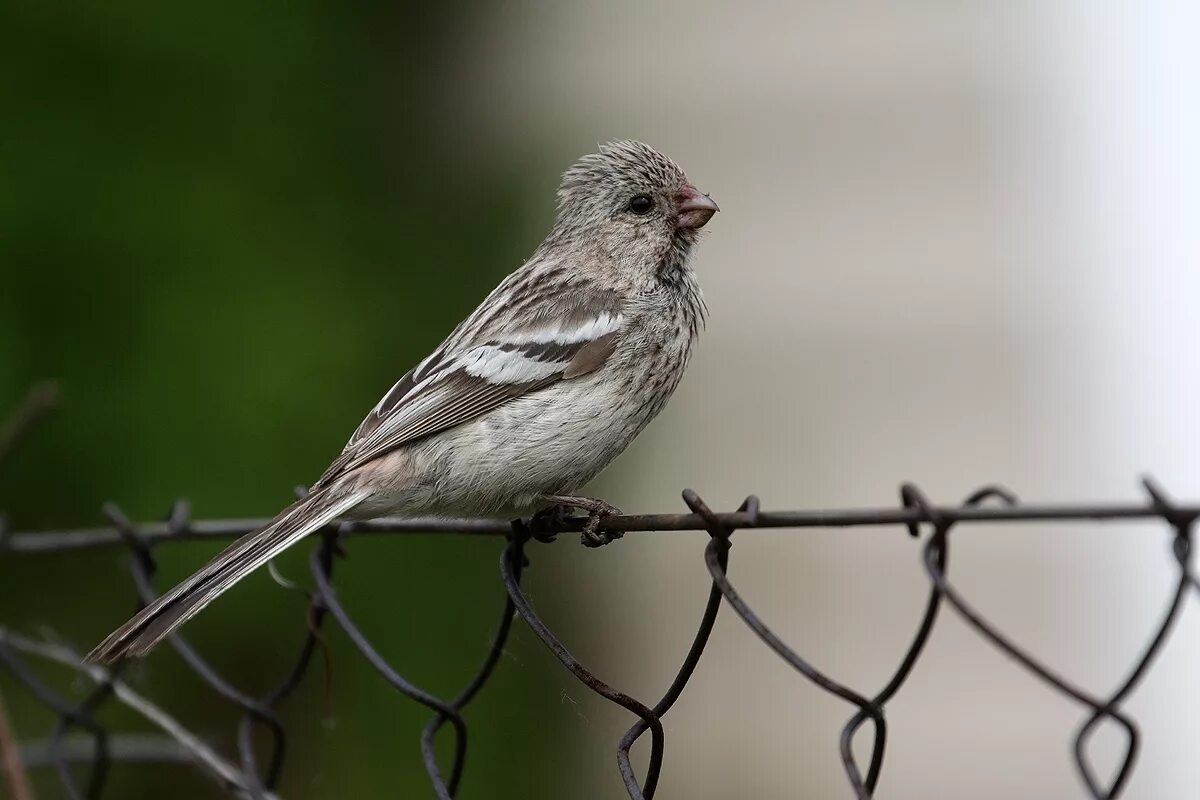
(549,379)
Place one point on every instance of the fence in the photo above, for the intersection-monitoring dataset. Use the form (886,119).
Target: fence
(251,779)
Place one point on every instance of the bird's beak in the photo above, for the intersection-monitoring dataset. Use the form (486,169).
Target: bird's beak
(693,208)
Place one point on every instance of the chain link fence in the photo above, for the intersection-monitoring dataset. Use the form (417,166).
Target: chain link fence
(253,774)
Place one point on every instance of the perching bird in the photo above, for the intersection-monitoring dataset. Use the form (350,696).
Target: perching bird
(548,380)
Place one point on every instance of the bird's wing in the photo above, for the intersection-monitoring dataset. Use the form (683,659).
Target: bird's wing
(487,362)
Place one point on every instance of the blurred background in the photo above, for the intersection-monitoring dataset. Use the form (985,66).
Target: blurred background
(958,245)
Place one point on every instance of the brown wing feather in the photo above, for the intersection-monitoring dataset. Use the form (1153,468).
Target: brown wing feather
(591,356)
(439,394)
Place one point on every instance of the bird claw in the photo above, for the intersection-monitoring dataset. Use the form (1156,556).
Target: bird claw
(545,525)
(592,536)
(597,510)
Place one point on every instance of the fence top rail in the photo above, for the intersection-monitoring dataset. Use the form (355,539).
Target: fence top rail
(155,532)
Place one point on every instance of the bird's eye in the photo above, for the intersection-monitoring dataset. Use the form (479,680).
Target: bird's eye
(641,204)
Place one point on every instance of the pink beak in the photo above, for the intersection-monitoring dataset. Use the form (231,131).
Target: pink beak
(693,208)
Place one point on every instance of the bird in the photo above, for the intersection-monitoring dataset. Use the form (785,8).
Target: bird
(528,399)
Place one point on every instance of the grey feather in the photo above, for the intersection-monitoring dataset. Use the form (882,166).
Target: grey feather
(440,393)
(159,619)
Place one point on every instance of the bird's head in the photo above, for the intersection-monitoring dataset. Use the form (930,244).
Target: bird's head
(635,203)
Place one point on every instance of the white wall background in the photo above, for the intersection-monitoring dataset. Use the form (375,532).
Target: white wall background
(959,244)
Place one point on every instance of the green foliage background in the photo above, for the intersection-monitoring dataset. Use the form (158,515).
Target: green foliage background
(225,229)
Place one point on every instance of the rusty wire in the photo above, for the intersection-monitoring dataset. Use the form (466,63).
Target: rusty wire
(256,781)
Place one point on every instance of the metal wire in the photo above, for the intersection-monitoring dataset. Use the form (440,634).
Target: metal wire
(60,751)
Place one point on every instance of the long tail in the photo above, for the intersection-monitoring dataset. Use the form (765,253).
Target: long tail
(159,619)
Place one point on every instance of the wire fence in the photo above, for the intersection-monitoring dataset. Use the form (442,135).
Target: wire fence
(254,775)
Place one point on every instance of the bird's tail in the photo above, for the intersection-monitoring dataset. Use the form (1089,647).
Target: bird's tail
(159,619)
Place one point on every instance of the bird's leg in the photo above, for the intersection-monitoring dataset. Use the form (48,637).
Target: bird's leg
(597,510)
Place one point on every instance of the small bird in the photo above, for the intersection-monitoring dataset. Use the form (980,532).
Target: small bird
(534,393)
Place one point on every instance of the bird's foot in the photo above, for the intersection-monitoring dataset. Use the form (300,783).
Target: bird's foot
(545,525)
(597,510)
